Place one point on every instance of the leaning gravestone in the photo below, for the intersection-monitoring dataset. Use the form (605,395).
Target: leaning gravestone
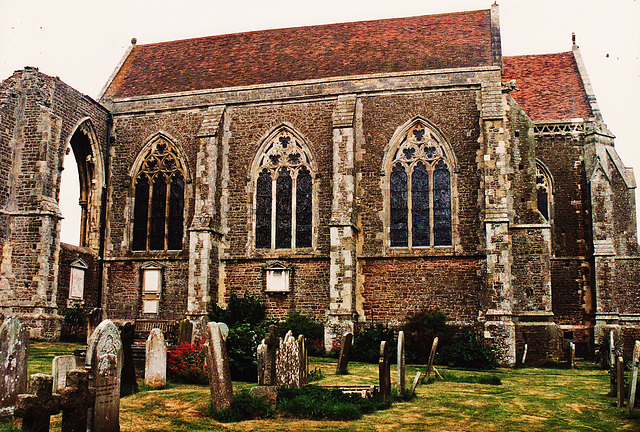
(432,355)
(218,365)
(288,362)
(185,331)
(36,409)
(104,361)
(14,350)
(633,385)
(384,373)
(401,365)
(75,400)
(59,368)
(345,349)
(155,365)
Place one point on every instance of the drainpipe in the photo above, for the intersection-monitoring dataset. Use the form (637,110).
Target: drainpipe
(103,209)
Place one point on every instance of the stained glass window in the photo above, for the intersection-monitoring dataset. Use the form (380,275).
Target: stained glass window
(285,184)
(159,200)
(420,191)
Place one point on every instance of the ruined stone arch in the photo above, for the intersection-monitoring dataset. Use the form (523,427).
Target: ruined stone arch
(419,189)
(283,188)
(160,185)
(91,177)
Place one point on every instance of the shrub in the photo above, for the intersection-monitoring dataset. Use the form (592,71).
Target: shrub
(366,345)
(245,406)
(466,351)
(74,323)
(302,324)
(186,363)
(420,329)
(240,310)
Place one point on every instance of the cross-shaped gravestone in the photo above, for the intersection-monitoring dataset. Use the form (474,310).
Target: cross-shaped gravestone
(269,355)
(75,399)
(37,408)
(384,373)
(345,349)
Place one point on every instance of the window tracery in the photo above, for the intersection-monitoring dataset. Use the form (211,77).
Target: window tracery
(543,191)
(159,199)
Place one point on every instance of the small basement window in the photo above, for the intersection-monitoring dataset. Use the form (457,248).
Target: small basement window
(278,279)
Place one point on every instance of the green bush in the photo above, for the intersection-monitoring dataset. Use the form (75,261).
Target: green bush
(302,324)
(244,407)
(366,344)
(467,352)
(420,329)
(240,310)
(74,323)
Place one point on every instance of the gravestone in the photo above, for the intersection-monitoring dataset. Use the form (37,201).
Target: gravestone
(75,400)
(384,373)
(104,361)
(524,354)
(128,379)
(304,361)
(572,355)
(59,368)
(432,355)
(288,362)
(270,346)
(416,381)
(401,365)
(612,362)
(218,365)
(345,350)
(14,350)
(620,389)
(93,321)
(185,331)
(633,385)
(36,408)
(155,365)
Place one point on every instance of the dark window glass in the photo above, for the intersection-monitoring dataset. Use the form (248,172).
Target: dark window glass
(283,209)
(141,213)
(176,204)
(420,206)
(399,208)
(158,213)
(263,210)
(303,208)
(543,202)
(441,205)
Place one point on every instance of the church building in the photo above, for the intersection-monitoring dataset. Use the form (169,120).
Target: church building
(355,172)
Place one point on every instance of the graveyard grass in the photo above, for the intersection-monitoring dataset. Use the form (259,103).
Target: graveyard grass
(528,399)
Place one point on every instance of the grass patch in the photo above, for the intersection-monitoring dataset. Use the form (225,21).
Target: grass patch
(476,378)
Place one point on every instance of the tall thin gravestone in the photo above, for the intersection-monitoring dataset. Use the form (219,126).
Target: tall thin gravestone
(267,357)
(155,370)
(384,373)
(185,331)
(104,361)
(36,408)
(401,365)
(288,362)
(620,381)
(572,355)
(93,321)
(14,351)
(432,355)
(75,400)
(633,385)
(129,381)
(304,360)
(218,365)
(59,368)
(345,350)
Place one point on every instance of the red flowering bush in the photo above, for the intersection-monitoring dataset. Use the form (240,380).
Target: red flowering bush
(187,364)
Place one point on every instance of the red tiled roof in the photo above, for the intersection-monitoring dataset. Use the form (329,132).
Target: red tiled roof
(392,45)
(550,86)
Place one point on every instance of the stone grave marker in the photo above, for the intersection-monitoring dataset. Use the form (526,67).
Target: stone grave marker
(384,373)
(185,331)
(432,355)
(633,385)
(612,362)
(288,362)
(59,368)
(572,355)
(75,400)
(401,365)
(345,350)
(524,354)
(620,389)
(416,381)
(218,365)
(14,351)
(93,321)
(267,352)
(128,379)
(104,361)
(155,365)
(36,408)
(304,361)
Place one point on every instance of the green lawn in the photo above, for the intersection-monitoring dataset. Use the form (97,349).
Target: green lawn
(528,399)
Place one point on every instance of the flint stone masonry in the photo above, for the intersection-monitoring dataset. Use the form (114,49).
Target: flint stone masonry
(14,351)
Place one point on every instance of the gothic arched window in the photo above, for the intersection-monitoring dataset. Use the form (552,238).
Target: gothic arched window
(158,212)
(420,206)
(544,191)
(283,193)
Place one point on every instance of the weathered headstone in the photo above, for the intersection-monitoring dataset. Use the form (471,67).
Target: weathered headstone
(416,381)
(304,361)
(75,400)
(155,365)
(432,355)
(14,350)
(185,331)
(620,390)
(633,385)
(524,354)
(37,408)
(345,350)
(93,321)
(267,358)
(612,363)
(572,355)
(128,379)
(384,373)
(218,365)
(104,361)
(59,368)
(288,362)
(401,365)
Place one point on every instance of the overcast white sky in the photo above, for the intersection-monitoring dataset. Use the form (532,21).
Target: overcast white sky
(83,41)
